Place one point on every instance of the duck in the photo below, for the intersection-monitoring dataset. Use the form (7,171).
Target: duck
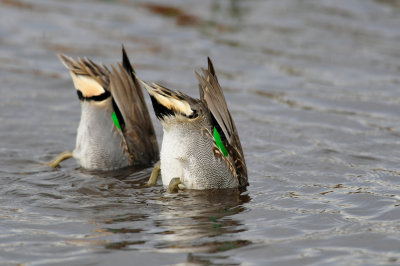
(200,148)
(115,128)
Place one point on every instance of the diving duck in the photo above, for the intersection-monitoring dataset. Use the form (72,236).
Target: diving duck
(200,147)
(115,128)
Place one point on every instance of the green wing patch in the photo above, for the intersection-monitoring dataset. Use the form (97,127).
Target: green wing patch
(218,141)
(115,119)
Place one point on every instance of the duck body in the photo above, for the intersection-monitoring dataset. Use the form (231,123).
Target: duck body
(115,129)
(187,152)
(200,146)
(98,141)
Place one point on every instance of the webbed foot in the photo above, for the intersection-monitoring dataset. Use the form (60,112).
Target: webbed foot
(154,174)
(174,185)
(61,157)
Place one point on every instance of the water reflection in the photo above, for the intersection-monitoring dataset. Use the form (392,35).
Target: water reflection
(114,204)
(190,221)
(128,215)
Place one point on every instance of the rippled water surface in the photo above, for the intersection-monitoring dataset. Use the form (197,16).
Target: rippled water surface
(313,86)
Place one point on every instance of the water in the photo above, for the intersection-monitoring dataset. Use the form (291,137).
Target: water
(313,87)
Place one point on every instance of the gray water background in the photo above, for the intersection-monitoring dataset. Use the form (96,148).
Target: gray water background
(313,87)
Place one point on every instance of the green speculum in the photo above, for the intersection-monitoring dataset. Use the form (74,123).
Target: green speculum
(115,119)
(220,144)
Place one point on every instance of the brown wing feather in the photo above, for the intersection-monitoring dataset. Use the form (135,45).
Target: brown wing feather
(211,93)
(138,131)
